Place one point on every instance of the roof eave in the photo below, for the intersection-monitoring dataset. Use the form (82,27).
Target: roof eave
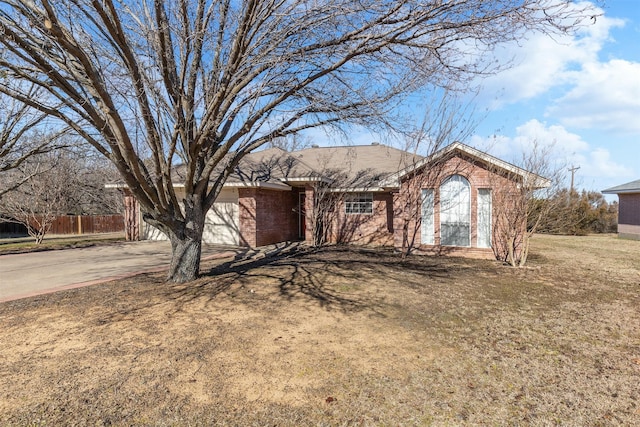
(307,179)
(258,184)
(612,191)
(244,184)
(358,190)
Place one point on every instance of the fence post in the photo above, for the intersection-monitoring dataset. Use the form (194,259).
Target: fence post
(79,224)
(131,218)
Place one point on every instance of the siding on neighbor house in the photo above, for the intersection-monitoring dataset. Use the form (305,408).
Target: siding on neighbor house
(627,231)
(629,216)
(629,209)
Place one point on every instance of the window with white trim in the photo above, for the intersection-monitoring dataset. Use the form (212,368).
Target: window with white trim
(427,236)
(484,218)
(358,203)
(455,212)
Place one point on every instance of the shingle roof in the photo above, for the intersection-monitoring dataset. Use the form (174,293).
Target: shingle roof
(379,158)
(270,165)
(348,168)
(629,187)
(356,165)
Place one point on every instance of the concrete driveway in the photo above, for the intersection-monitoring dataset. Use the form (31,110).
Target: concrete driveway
(24,275)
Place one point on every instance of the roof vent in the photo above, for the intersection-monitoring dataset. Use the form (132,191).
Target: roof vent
(375,143)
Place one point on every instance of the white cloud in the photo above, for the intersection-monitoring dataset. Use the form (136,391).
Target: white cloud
(601,165)
(540,63)
(534,133)
(605,96)
(566,149)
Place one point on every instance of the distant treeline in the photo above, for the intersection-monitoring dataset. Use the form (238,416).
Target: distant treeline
(579,214)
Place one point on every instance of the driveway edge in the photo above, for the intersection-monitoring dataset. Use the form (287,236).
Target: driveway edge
(105,279)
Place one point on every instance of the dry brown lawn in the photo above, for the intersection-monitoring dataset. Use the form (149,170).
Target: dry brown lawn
(338,337)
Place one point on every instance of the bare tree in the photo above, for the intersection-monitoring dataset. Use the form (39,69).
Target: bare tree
(518,211)
(330,193)
(22,135)
(62,181)
(204,82)
(89,196)
(293,142)
(45,191)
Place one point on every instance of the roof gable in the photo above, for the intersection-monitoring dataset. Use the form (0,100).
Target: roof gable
(458,148)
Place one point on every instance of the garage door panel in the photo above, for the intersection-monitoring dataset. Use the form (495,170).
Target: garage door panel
(221,224)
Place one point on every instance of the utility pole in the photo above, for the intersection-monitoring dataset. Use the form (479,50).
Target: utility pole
(573,170)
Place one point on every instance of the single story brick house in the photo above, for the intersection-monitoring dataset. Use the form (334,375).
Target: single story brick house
(366,195)
(628,209)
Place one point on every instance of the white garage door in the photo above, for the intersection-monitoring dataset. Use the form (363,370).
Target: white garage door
(221,225)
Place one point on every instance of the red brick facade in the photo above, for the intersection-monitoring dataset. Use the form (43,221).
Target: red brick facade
(267,216)
(408,210)
(367,229)
(374,229)
(270,216)
(281,209)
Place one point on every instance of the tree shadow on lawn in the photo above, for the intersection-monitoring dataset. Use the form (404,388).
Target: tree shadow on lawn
(334,277)
(344,278)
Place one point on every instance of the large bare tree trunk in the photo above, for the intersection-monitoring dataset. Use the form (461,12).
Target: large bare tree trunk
(185,258)
(186,244)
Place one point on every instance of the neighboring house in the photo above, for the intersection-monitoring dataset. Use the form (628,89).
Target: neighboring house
(366,195)
(628,209)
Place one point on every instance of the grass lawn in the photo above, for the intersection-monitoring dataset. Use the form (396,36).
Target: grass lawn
(24,245)
(339,337)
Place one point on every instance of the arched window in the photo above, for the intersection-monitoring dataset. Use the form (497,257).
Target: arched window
(455,212)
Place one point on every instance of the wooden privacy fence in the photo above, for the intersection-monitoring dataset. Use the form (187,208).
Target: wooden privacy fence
(87,224)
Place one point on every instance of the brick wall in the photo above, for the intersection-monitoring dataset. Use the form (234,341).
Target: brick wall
(361,229)
(247,216)
(366,229)
(408,212)
(267,216)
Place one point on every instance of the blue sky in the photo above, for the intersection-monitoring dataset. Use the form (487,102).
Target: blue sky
(581,94)
(578,94)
